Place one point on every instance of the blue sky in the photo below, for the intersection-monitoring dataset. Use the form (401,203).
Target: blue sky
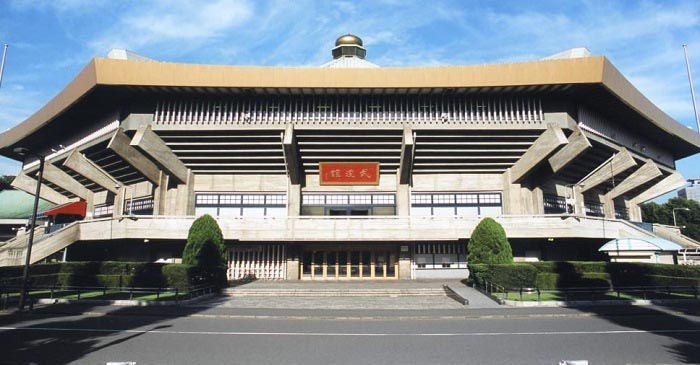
(52,40)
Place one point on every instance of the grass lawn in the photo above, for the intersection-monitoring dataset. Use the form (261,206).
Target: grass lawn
(609,295)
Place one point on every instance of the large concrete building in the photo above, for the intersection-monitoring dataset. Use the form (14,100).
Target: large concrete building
(349,170)
(692,191)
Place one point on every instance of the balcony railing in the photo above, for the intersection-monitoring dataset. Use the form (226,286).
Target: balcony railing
(554,204)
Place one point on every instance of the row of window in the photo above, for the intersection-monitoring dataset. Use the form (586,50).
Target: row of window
(241,205)
(261,205)
(348,199)
(240,199)
(456,204)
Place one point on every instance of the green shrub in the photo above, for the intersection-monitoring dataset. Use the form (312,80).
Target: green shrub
(507,275)
(661,280)
(547,280)
(488,244)
(185,277)
(114,281)
(205,244)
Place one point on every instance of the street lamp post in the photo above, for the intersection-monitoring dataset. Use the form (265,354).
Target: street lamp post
(674,214)
(25,276)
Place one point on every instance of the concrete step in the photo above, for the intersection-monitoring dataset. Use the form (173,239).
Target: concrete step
(333,292)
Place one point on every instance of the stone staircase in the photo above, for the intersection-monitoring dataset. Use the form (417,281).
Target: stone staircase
(335,292)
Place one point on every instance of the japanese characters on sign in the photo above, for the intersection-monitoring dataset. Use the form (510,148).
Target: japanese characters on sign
(348,173)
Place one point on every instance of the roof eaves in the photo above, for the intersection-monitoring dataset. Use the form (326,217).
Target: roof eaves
(77,88)
(618,85)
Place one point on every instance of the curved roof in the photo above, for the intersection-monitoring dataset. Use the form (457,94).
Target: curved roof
(17,204)
(592,79)
(640,244)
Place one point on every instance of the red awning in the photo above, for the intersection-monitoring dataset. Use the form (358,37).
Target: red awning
(74,208)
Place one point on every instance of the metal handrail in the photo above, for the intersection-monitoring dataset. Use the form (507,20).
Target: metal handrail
(496,290)
(54,290)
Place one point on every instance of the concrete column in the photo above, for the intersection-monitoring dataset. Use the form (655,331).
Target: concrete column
(119,202)
(580,206)
(180,200)
(608,207)
(293,199)
(292,263)
(186,197)
(511,195)
(403,200)
(635,212)
(90,208)
(160,195)
(537,201)
(404,262)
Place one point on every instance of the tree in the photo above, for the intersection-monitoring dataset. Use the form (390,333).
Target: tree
(489,244)
(663,214)
(205,243)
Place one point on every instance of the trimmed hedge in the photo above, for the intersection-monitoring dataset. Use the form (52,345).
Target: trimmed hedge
(548,280)
(115,274)
(185,277)
(572,274)
(507,275)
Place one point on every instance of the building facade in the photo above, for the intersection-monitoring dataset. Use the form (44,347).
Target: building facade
(691,191)
(348,171)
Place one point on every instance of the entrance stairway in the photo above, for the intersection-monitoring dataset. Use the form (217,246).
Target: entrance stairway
(335,292)
(45,244)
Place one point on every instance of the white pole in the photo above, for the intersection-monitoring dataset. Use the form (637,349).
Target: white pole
(2,64)
(692,91)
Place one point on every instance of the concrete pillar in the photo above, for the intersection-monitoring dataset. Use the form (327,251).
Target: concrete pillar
(119,202)
(511,195)
(160,194)
(90,205)
(292,263)
(608,207)
(179,201)
(403,200)
(537,201)
(635,212)
(580,204)
(293,199)
(404,262)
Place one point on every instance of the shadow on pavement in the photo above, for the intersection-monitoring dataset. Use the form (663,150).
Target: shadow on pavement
(668,320)
(63,333)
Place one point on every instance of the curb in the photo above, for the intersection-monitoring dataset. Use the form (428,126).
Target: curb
(590,303)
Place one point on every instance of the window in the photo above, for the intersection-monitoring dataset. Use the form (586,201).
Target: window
(435,256)
(102,211)
(456,204)
(241,205)
(140,206)
(348,204)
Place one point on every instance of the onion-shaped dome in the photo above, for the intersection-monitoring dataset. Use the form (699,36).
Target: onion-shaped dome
(348,39)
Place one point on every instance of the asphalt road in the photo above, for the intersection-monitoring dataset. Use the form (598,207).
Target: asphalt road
(205,335)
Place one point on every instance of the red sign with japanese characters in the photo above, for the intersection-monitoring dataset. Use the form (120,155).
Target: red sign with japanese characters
(348,173)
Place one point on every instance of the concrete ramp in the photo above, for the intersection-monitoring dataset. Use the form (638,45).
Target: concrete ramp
(12,253)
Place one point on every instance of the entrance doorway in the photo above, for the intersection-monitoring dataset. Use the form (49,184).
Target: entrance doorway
(371,263)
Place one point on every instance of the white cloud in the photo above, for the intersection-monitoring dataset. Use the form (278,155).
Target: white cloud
(180,24)
(61,6)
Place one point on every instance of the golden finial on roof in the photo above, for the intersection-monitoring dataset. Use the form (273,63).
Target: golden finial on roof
(348,39)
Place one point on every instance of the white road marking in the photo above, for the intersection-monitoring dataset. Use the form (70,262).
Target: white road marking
(225,333)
